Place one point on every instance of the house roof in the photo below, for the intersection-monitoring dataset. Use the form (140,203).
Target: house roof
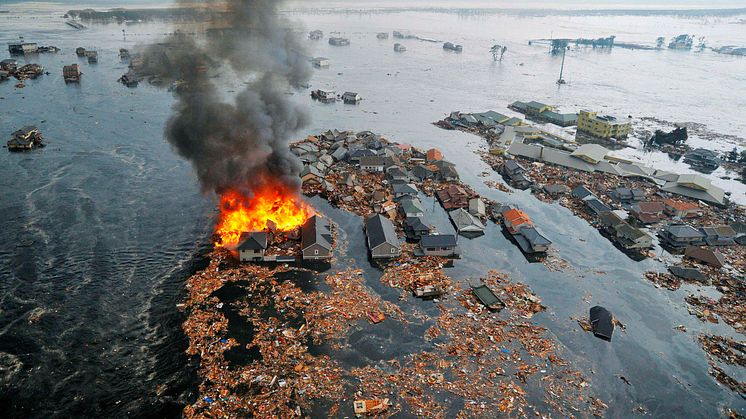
(372,161)
(465,222)
(602,322)
(535,105)
(434,154)
(681,205)
(411,205)
(592,153)
(560,117)
(516,216)
(581,192)
(719,230)
(697,188)
(405,188)
(708,256)
(596,205)
(422,172)
(438,240)
(625,230)
(512,165)
(416,224)
(380,230)
(316,230)
(256,240)
(556,189)
(688,273)
(535,236)
(610,219)
(683,231)
(648,207)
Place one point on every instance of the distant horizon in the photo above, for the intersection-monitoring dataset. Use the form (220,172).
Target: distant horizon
(576,5)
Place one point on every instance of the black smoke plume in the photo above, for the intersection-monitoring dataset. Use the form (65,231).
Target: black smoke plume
(239,142)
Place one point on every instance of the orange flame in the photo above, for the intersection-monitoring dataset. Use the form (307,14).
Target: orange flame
(275,203)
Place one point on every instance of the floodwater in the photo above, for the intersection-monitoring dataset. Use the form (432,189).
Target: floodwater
(116,221)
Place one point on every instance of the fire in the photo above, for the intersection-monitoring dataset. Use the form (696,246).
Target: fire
(275,203)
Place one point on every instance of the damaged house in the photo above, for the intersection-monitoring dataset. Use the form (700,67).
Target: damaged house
(316,239)
(252,246)
(382,240)
(445,245)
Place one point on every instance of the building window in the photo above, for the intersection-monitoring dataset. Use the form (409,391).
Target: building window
(393,250)
(316,251)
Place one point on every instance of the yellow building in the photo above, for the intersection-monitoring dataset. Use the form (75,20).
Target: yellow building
(602,126)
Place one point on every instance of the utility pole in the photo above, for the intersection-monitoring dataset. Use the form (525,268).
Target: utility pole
(562,69)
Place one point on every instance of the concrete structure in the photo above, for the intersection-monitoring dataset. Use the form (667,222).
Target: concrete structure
(316,239)
(252,246)
(382,240)
(606,127)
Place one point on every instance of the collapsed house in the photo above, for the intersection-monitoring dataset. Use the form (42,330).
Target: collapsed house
(26,139)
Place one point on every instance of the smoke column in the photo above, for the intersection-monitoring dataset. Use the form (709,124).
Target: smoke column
(235,143)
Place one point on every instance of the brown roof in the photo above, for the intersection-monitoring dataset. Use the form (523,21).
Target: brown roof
(681,205)
(647,207)
(704,255)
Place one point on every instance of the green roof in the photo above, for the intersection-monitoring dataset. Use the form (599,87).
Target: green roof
(560,117)
(536,105)
(512,121)
(490,117)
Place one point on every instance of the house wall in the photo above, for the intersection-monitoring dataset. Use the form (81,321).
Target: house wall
(384,251)
(438,251)
(250,255)
(316,252)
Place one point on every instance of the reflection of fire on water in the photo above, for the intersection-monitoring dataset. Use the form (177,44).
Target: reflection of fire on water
(272,205)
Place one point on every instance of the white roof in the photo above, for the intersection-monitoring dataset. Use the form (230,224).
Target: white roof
(593,153)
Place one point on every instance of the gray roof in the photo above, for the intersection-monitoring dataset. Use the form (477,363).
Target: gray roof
(512,165)
(684,231)
(464,221)
(534,236)
(592,152)
(316,230)
(372,161)
(416,224)
(438,240)
(597,206)
(411,205)
(581,192)
(380,230)
(253,241)
(688,273)
(405,188)
(697,187)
